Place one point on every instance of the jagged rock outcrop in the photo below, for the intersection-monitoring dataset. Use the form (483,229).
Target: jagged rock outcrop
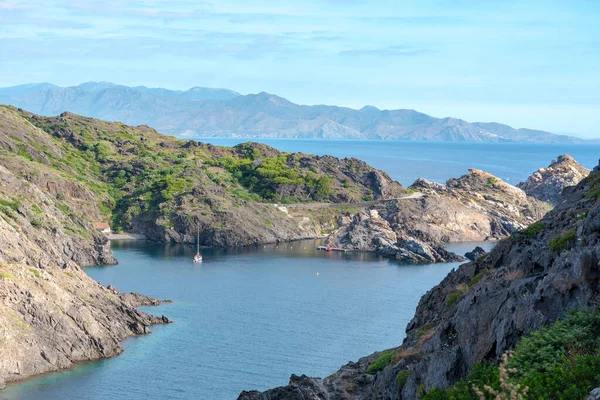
(475,207)
(480,310)
(594,394)
(370,232)
(547,184)
(475,253)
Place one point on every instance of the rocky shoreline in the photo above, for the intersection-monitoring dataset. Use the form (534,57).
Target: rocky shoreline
(480,310)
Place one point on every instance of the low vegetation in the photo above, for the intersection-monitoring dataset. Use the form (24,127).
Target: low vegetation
(533,229)
(563,241)
(381,362)
(138,173)
(559,361)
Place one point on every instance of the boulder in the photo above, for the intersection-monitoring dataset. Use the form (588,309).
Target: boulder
(475,254)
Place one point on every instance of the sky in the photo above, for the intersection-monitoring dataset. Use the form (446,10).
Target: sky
(532,64)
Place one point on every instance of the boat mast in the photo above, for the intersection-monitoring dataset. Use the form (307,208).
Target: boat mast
(198,242)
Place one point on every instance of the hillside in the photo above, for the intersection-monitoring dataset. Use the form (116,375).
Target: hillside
(483,309)
(52,314)
(205,112)
(167,189)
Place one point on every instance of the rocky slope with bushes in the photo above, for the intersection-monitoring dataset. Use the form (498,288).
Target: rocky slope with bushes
(52,314)
(167,189)
(484,308)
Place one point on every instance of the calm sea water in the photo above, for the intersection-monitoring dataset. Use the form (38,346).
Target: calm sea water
(244,319)
(406,161)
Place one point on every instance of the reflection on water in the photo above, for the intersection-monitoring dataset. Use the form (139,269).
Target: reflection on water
(296,249)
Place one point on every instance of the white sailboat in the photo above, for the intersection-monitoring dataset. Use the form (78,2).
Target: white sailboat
(198,256)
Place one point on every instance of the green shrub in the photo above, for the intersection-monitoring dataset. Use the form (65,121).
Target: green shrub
(5,275)
(474,280)
(559,361)
(533,229)
(455,295)
(13,205)
(401,378)
(563,241)
(381,362)
(491,182)
(424,329)
(539,352)
(37,222)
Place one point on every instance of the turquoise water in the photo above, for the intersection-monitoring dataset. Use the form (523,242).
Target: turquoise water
(244,319)
(406,161)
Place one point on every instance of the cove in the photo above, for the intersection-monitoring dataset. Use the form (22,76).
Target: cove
(244,319)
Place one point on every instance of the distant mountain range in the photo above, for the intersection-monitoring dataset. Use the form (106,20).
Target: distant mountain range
(205,112)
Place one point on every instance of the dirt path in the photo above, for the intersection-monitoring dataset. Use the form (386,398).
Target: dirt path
(297,206)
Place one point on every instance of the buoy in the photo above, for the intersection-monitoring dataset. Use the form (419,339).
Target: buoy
(317,274)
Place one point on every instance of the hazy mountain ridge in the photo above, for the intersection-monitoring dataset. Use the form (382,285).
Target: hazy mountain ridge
(206,112)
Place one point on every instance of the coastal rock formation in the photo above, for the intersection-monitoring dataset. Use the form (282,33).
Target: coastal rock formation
(547,184)
(167,189)
(475,207)
(53,314)
(480,310)
(370,232)
(594,394)
(475,254)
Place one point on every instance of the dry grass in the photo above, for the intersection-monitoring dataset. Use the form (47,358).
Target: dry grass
(402,353)
(515,274)
(508,390)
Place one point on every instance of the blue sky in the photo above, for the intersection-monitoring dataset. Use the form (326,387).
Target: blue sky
(526,63)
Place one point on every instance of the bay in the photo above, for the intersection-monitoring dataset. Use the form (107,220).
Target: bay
(244,319)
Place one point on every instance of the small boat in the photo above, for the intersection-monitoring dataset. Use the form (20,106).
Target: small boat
(198,256)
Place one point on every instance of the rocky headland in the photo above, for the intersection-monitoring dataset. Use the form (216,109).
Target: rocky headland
(547,184)
(52,314)
(481,310)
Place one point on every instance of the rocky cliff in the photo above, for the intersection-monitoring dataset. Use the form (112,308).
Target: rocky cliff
(370,232)
(547,184)
(475,207)
(480,310)
(51,313)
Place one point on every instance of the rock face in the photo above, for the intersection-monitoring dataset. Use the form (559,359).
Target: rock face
(547,184)
(475,254)
(370,232)
(479,311)
(52,314)
(475,207)
(594,394)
